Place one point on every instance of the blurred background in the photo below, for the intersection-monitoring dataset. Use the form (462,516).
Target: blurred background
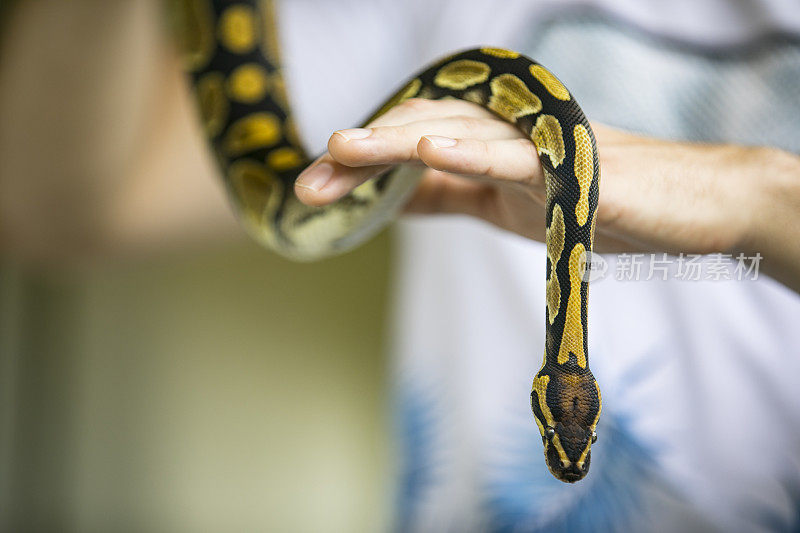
(159,371)
(162,372)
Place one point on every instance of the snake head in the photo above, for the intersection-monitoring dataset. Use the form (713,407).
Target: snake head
(573,442)
(566,407)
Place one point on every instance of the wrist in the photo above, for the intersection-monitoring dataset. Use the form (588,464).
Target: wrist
(773,215)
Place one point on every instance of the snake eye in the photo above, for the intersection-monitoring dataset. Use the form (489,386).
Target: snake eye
(549,432)
(594,437)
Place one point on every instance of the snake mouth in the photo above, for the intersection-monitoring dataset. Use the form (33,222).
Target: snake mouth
(568,474)
(567,471)
(571,476)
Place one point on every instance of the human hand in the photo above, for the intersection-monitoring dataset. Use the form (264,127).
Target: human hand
(655,195)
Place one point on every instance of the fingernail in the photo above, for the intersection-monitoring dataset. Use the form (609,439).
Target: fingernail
(354,133)
(315,178)
(440,142)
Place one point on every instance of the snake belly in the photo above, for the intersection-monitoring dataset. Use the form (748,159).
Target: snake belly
(231,51)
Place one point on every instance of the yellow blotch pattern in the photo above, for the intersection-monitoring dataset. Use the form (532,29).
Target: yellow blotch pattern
(562,454)
(572,338)
(540,387)
(258,130)
(248,83)
(462,74)
(285,158)
(584,170)
(549,139)
(212,102)
(500,52)
(554,239)
(511,98)
(427,92)
(366,191)
(550,82)
(255,188)
(475,96)
(238,29)
(195,30)
(584,453)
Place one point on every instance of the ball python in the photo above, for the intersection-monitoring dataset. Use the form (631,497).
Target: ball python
(231,52)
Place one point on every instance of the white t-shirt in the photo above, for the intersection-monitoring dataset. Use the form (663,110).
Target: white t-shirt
(701,400)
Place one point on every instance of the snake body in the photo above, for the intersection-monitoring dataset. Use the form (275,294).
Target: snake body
(232,54)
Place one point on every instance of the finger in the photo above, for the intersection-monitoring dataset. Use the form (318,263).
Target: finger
(326,180)
(398,144)
(514,160)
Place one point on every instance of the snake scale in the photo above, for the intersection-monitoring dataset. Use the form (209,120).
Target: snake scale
(231,51)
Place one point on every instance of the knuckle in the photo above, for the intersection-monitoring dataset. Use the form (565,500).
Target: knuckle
(527,147)
(470,125)
(531,154)
(524,148)
(486,155)
(486,151)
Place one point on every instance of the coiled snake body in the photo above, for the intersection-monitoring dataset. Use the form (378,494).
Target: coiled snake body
(231,51)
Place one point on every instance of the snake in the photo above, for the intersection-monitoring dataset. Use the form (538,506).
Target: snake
(230,50)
